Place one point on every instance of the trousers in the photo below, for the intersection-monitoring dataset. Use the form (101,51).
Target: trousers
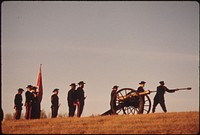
(54,111)
(72,109)
(160,101)
(18,113)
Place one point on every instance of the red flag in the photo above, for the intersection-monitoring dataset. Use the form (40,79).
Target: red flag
(39,84)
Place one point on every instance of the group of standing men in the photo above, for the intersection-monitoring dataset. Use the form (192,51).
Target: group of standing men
(75,98)
(32,103)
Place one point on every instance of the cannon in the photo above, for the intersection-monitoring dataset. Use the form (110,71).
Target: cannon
(129,101)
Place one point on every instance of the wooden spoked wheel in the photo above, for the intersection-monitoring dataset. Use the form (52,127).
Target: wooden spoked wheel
(127,101)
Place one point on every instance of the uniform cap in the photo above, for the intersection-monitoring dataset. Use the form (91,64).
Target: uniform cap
(29,86)
(115,86)
(142,82)
(20,89)
(73,84)
(162,82)
(81,82)
(56,89)
(33,88)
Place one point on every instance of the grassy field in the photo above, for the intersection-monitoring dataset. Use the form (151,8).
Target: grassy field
(157,123)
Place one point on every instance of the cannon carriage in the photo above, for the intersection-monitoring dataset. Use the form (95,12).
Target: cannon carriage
(129,101)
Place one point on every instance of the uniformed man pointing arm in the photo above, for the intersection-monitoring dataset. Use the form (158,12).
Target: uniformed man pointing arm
(159,97)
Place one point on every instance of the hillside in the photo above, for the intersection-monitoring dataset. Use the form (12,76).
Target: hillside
(160,123)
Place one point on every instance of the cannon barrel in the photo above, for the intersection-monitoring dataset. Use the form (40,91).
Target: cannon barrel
(189,88)
(133,95)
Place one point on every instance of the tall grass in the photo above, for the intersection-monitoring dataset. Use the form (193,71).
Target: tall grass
(157,123)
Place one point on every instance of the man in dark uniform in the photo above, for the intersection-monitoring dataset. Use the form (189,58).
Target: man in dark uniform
(71,99)
(80,98)
(141,89)
(28,101)
(54,103)
(34,103)
(159,97)
(114,90)
(18,104)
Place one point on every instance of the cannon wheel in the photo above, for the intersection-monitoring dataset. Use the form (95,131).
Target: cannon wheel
(128,106)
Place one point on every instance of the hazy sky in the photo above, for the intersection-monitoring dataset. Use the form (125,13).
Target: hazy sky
(103,44)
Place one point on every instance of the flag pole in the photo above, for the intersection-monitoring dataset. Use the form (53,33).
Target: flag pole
(40,89)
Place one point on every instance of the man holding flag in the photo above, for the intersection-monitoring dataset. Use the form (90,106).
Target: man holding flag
(40,89)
